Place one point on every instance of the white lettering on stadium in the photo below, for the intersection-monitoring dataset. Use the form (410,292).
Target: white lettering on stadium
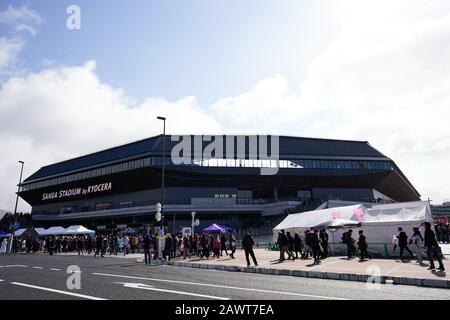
(77,191)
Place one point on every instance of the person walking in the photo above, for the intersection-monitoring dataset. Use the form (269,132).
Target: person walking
(290,242)
(284,243)
(223,244)
(3,246)
(217,245)
(308,250)
(232,240)
(168,244)
(403,243)
(350,242)
(147,242)
(247,244)
(297,245)
(362,246)
(417,241)
(98,246)
(432,247)
(315,246)
(323,236)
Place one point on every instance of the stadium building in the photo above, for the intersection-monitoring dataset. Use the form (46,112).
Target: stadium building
(120,187)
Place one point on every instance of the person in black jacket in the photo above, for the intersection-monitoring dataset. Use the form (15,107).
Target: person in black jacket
(284,247)
(147,243)
(403,243)
(290,241)
(324,243)
(297,245)
(247,244)
(315,246)
(362,246)
(432,247)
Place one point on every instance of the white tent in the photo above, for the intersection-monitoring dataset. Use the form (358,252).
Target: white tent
(379,223)
(53,231)
(19,232)
(40,231)
(78,229)
(299,222)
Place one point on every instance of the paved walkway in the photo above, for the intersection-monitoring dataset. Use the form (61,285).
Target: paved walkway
(336,267)
(385,270)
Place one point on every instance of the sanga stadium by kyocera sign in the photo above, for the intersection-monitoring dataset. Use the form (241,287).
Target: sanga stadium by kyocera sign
(77,191)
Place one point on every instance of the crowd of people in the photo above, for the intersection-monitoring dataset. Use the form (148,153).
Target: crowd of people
(442,232)
(314,244)
(203,246)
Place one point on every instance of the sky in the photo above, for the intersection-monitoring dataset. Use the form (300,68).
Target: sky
(375,71)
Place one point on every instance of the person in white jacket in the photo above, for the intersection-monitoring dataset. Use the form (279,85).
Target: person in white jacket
(3,246)
(417,241)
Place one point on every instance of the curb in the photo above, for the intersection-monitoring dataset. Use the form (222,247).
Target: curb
(432,283)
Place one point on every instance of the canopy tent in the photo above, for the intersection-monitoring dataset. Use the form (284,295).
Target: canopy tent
(379,223)
(78,229)
(218,228)
(299,222)
(26,233)
(19,232)
(338,223)
(40,231)
(4,234)
(53,231)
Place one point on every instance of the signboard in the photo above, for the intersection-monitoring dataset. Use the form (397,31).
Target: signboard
(101,227)
(186,231)
(69,193)
(121,226)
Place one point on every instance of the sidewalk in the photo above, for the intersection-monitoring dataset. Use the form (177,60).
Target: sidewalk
(337,268)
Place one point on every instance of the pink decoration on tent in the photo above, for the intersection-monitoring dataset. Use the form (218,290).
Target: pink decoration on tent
(359,213)
(336,215)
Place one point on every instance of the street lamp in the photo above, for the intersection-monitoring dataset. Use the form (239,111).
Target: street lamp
(194,222)
(18,188)
(15,208)
(163,173)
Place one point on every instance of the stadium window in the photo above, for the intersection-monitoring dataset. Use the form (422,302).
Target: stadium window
(308,164)
(347,164)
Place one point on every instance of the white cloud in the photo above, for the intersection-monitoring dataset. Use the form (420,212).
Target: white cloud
(22,19)
(67,112)
(9,49)
(383,79)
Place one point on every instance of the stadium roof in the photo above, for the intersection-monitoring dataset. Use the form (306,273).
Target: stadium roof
(288,146)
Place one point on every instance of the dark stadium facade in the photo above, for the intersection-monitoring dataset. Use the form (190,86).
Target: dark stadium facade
(121,186)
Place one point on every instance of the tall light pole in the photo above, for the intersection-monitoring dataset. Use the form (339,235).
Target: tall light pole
(18,188)
(163,174)
(15,208)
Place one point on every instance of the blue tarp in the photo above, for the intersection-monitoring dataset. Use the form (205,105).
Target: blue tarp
(3,234)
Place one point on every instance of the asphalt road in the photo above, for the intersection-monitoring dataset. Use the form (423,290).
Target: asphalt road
(45,277)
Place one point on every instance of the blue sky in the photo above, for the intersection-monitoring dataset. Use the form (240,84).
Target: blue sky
(365,70)
(173,49)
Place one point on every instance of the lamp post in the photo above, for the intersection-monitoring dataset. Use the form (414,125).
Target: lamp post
(163,173)
(193,223)
(15,208)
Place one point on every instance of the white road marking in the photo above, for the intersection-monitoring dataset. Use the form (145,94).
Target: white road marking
(55,269)
(1,280)
(151,288)
(221,286)
(36,267)
(15,265)
(57,291)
